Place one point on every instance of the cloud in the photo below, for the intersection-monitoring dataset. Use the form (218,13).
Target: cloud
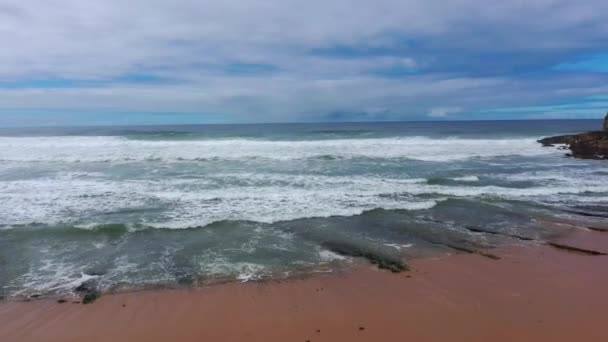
(252,61)
(441,112)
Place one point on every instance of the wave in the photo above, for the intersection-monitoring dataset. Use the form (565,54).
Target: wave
(119,149)
(126,256)
(466,179)
(263,197)
(115,230)
(452,180)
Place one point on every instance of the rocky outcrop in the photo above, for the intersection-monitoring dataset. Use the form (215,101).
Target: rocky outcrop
(591,145)
(387,259)
(89,291)
(606,122)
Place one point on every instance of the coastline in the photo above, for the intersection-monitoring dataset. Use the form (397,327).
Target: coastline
(534,292)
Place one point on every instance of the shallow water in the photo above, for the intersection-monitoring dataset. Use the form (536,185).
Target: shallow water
(161,205)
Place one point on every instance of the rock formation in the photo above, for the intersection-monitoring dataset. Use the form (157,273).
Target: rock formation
(591,145)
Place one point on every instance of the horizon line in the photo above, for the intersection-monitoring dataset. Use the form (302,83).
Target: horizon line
(297,123)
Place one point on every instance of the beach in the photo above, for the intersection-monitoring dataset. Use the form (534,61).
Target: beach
(311,171)
(533,292)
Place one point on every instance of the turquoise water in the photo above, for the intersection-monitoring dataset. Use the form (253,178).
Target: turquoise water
(129,207)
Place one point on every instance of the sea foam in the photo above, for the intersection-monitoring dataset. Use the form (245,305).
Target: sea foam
(120,149)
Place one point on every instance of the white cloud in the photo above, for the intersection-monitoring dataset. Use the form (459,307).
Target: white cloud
(191,43)
(441,112)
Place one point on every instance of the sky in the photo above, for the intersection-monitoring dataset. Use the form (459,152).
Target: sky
(74,62)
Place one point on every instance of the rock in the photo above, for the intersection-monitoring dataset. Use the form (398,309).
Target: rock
(94,272)
(85,287)
(384,259)
(61,301)
(89,291)
(574,249)
(590,145)
(90,297)
(606,122)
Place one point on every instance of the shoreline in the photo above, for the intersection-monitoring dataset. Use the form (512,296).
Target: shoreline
(74,296)
(534,292)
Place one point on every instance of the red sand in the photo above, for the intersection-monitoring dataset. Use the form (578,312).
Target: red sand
(534,293)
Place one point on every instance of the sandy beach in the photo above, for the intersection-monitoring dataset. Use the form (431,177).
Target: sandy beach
(533,293)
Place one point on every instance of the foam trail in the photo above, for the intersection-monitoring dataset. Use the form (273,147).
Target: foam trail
(104,149)
(467,179)
(182,203)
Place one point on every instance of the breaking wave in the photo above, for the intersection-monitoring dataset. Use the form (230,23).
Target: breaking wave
(117,149)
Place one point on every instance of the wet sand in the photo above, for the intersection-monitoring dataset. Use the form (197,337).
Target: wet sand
(533,293)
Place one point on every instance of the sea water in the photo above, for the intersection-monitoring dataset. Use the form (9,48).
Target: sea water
(131,207)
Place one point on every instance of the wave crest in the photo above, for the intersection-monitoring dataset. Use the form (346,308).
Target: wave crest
(118,149)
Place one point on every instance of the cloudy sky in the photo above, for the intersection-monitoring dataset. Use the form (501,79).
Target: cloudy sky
(185,61)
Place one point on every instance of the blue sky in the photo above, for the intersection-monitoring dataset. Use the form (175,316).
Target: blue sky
(72,62)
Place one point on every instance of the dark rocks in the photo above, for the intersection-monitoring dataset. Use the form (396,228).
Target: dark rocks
(575,249)
(85,287)
(61,301)
(95,272)
(606,122)
(587,213)
(469,250)
(90,297)
(382,258)
(89,292)
(553,244)
(590,145)
(486,231)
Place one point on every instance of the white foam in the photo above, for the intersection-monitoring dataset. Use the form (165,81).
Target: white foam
(119,149)
(398,246)
(466,179)
(250,271)
(329,256)
(554,175)
(187,203)
(51,276)
(72,193)
(263,197)
(213,264)
(99,245)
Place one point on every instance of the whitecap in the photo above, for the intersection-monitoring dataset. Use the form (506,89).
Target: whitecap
(119,149)
(466,179)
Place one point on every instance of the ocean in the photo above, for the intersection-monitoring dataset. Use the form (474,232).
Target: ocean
(162,206)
